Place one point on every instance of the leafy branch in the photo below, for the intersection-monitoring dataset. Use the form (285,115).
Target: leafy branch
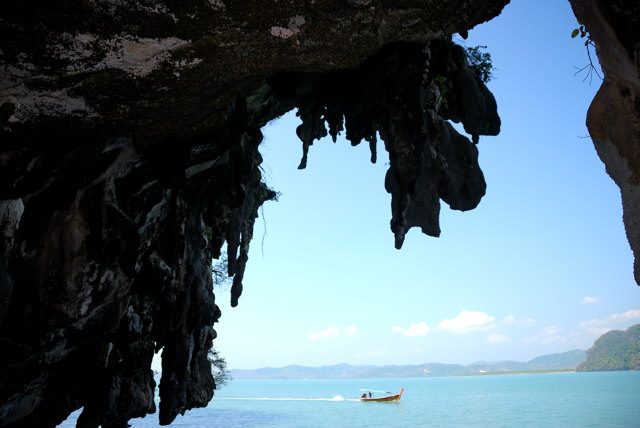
(480,62)
(591,69)
(219,272)
(219,368)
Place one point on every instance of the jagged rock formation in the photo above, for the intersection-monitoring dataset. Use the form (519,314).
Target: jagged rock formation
(396,94)
(614,115)
(128,157)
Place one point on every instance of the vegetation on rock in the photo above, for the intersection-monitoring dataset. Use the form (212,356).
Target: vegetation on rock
(481,63)
(590,68)
(615,350)
(221,374)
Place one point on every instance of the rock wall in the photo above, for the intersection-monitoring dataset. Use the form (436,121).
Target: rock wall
(129,156)
(161,69)
(613,118)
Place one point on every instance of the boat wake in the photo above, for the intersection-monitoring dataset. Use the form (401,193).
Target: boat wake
(336,398)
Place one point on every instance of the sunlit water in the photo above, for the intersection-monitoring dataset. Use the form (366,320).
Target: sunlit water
(601,399)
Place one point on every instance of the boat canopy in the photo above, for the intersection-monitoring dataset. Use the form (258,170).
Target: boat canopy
(373,390)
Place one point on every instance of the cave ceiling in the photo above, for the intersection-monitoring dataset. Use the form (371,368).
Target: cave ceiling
(129,158)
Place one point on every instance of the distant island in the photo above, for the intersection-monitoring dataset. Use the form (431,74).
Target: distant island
(566,361)
(615,350)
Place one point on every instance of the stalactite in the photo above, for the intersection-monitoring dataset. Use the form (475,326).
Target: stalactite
(394,94)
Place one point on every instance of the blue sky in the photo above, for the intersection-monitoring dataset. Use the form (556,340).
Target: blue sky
(541,266)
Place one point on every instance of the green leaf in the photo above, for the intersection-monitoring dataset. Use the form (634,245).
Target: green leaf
(574,33)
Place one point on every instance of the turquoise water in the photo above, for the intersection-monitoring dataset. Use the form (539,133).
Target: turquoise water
(599,399)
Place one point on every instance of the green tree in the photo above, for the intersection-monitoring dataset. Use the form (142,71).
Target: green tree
(481,63)
(219,273)
(221,280)
(221,374)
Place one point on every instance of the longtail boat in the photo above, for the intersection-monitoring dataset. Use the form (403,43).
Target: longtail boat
(367,396)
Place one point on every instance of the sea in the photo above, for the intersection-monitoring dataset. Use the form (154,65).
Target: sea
(546,400)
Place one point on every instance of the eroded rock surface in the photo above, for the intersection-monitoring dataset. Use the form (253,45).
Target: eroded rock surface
(129,156)
(613,119)
(396,94)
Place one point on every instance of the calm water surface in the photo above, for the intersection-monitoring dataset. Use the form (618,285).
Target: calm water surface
(599,399)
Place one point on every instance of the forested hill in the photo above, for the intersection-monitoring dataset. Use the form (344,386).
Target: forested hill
(615,350)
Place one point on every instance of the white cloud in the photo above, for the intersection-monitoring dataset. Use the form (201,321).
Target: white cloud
(589,299)
(546,340)
(598,331)
(615,321)
(553,335)
(509,319)
(548,336)
(496,338)
(512,320)
(328,332)
(552,330)
(468,321)
(630,314)
(414,330)
(334,332)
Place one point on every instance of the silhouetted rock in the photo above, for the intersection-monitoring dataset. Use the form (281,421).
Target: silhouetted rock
(129,156)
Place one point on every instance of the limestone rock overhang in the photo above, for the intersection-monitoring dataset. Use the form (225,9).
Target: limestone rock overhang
(129,156)
(129,136)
